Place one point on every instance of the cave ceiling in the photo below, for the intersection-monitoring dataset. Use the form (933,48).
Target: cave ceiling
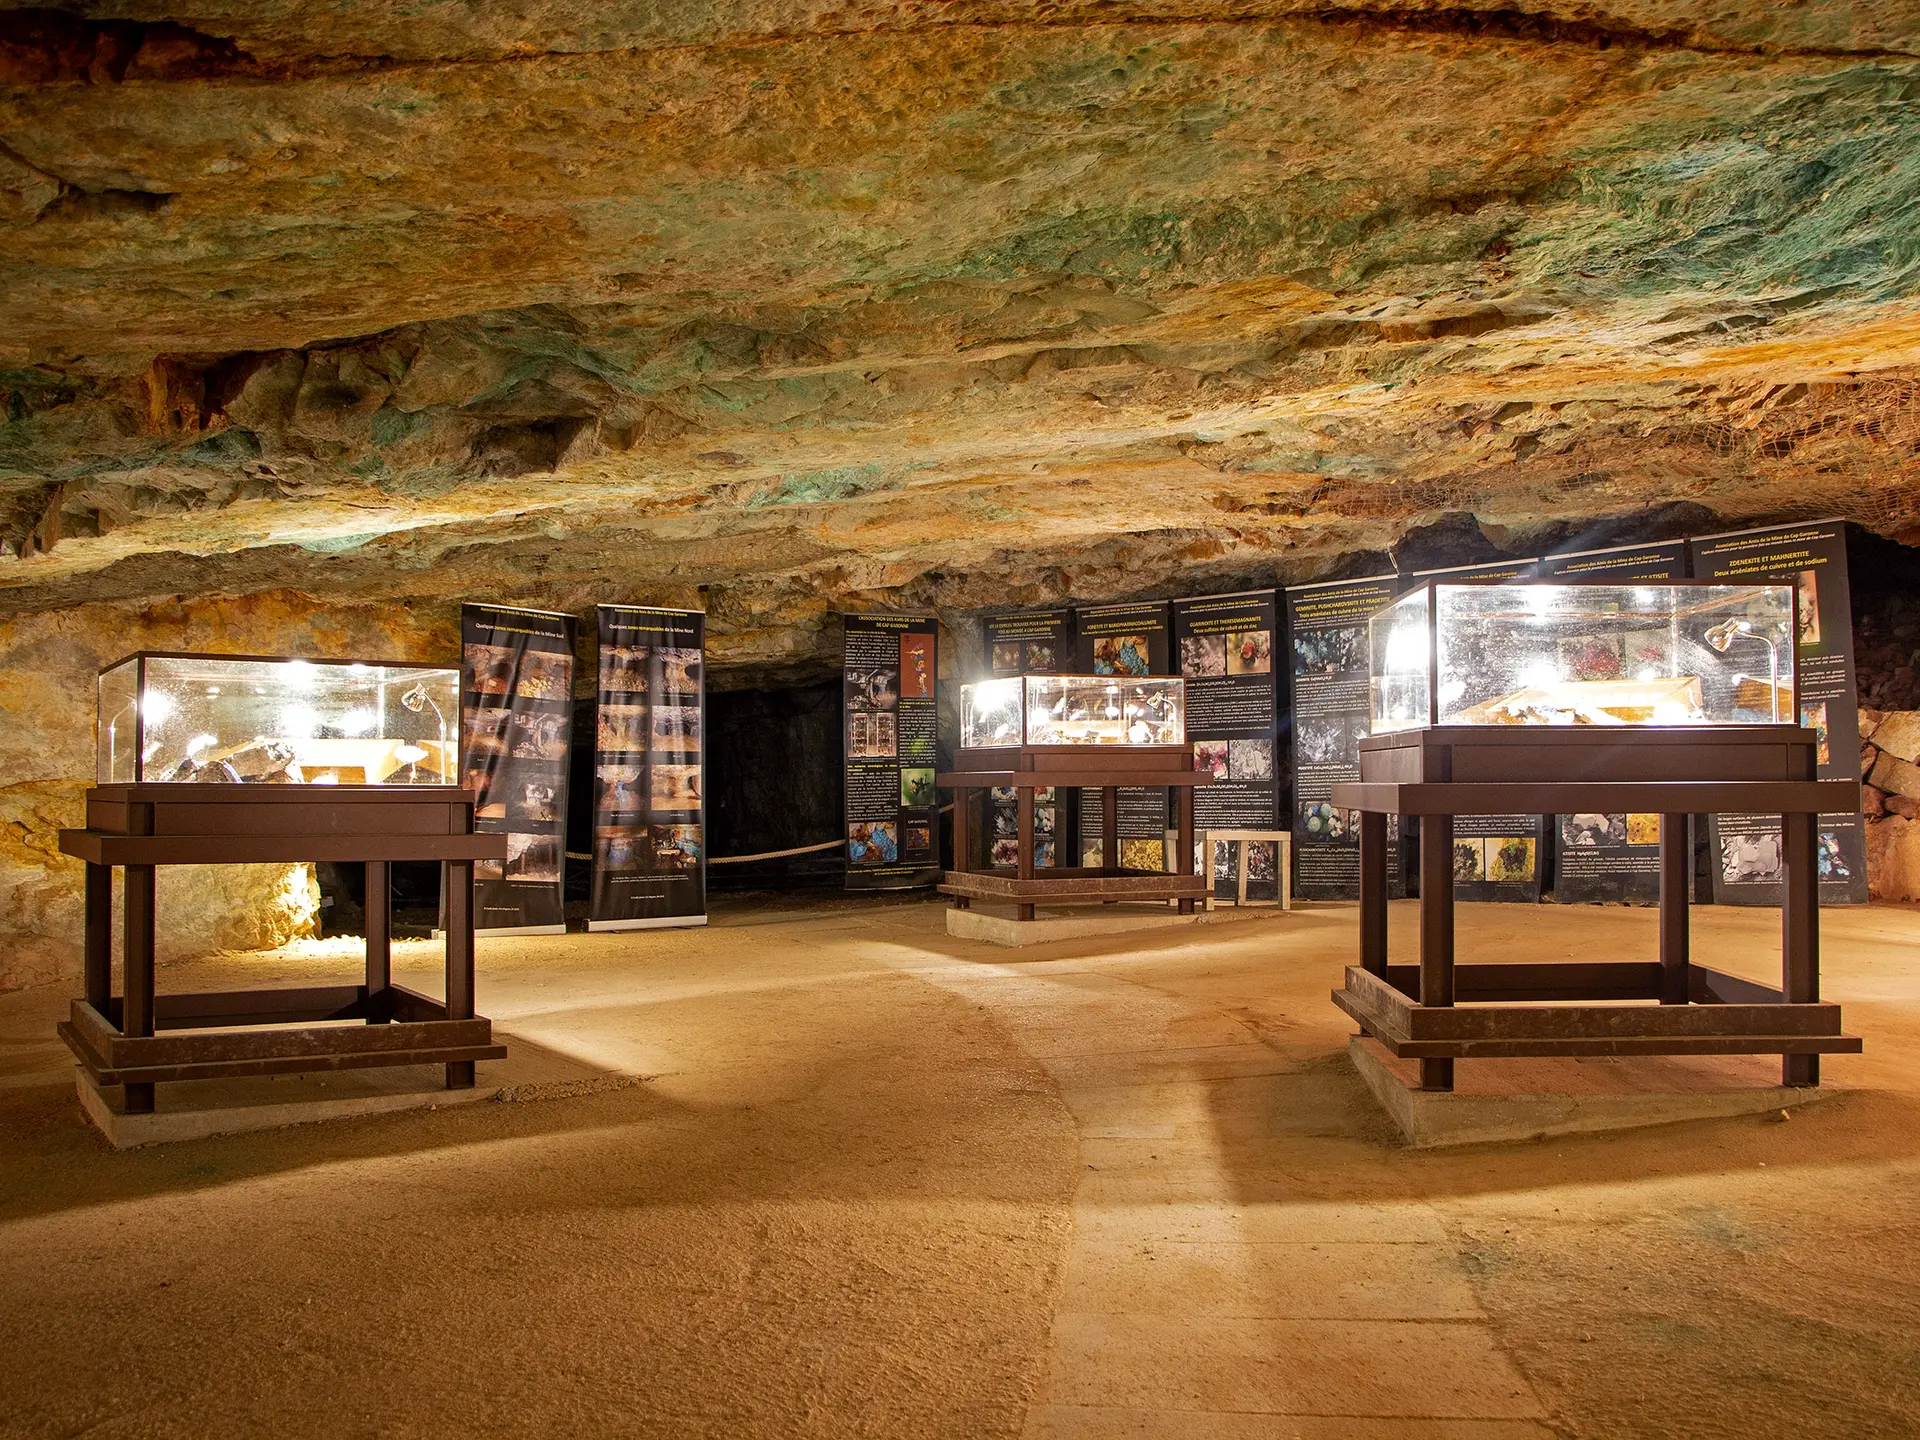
(802,304)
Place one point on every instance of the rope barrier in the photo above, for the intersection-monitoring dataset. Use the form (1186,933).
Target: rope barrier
(770,855)
(775,854)
(797,850)
(743,859)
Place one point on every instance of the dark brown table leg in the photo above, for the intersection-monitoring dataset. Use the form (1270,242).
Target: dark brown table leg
(99,954)
(379,940)
(136,977)
(1676,877)
(962,838)
(1023,804)
(1110,831)
(962,829)
(1373,893)
(459,888)
(1183,838)
(1436,932)
(1800,938)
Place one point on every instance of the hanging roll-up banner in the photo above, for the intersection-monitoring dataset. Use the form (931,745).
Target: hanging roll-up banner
(892,732)
(1327,627)
(1609,859)
(516,736)
(1128,639)
(1744,851)
(1224,646)
(1496,857)
(1028,642)
(649,770)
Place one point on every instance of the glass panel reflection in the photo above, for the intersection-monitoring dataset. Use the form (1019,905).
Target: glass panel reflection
(214,719)
(1649,654)
(1073,710)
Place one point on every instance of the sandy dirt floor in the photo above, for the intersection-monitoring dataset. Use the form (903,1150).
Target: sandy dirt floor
(874,1181)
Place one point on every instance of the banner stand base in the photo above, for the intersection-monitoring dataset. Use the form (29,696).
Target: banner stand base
(657,922)
(521,930)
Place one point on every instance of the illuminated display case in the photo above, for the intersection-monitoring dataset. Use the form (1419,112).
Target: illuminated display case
(1072,710)
(1659,653)
(275,721)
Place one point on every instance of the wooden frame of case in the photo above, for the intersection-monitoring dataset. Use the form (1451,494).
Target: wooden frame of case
(138,827)
(1441,1011)
(1105,768)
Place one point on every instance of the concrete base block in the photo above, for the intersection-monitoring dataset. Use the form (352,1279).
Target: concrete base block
(1090,922)
(1495,1100)
(196,1109)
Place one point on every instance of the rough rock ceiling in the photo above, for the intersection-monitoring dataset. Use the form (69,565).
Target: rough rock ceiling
(950,302)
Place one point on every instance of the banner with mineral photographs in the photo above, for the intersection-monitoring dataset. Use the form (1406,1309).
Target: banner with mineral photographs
(1499,857)
(1128,639)
(516,735)
(649,770)
(892,718)
(1495,857)
(1327,631)
(1610,859)
(1744,852)
(1028,642)
(1224,646)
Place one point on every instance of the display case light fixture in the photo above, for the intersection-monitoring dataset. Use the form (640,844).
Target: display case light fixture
(416,700)
(1738,627)
(1407,648)
(1541,674)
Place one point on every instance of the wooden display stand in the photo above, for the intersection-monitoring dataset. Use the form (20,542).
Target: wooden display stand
(1438,1011)
(141,826)
(1105,768)
(1282,842)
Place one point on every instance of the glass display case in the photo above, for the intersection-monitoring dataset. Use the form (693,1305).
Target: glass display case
(990,713)
(1654,653)
(274,721)
(1073,710)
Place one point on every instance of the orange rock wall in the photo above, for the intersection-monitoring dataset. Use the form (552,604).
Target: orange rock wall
(48,662)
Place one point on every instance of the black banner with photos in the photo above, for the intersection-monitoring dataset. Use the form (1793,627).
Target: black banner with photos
(1224,646)
(649,770)
(1332,714)
(516,734)
(1028,642)
(1610,859)
(1744,852)
(892,715)
(1128,639)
